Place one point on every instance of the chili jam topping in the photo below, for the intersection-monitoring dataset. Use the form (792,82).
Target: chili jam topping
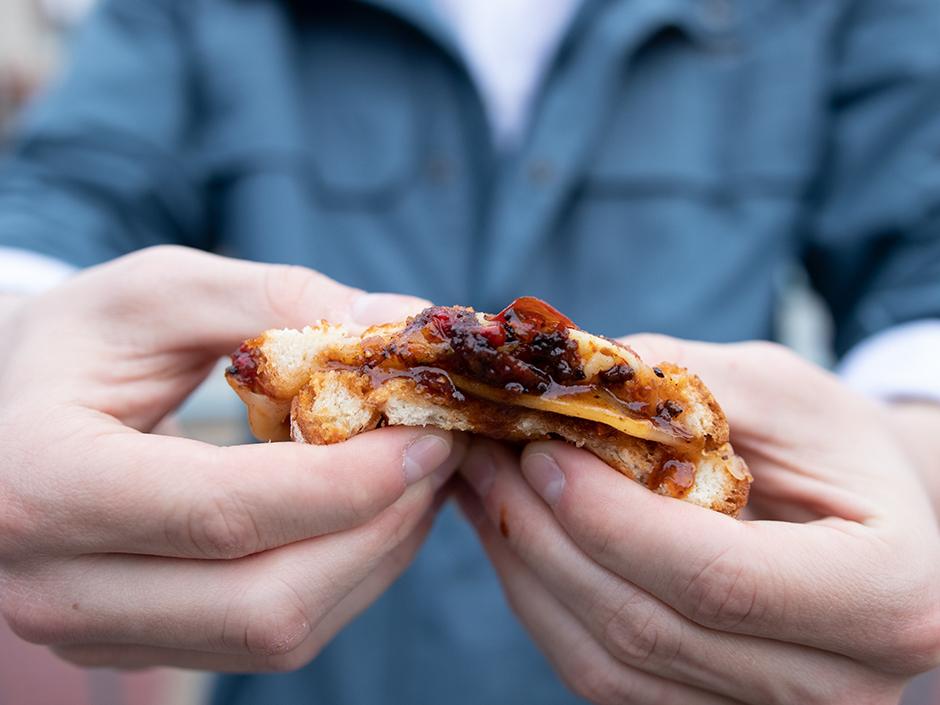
(525,349)
(244,367)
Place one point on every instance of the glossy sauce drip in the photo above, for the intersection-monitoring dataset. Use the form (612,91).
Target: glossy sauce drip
(674,476)
(432,379)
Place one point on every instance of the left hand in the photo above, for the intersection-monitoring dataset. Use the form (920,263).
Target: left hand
(827,592)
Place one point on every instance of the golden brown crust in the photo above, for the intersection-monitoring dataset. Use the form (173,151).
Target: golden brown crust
(736,499)
(690,386)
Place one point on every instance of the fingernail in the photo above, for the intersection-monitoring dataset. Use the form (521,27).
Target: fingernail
(373,309)
(423,457)
(546,478)
(479,470)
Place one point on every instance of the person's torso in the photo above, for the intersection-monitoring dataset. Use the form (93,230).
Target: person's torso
(665,166)
(659,186)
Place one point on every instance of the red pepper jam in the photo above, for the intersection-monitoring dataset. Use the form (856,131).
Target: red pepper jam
(244,367)
(524,348)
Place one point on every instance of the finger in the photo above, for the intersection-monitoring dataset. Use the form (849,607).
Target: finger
(578,659)
(761,578)
(635,627)
(750,381)
(169,426)
(183,498)
(193,299)
(265,606)
(132,656)
(390,567)
(785,411)
(790,488)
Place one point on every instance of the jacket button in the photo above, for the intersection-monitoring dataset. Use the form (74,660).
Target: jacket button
(541,172)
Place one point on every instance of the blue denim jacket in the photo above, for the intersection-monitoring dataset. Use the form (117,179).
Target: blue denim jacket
(682,154)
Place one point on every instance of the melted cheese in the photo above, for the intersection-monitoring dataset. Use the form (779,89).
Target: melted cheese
(576,408)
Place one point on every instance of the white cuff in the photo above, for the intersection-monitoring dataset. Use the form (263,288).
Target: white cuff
(902,362)
(25,272)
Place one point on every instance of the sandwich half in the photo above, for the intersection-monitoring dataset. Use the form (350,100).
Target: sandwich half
(527,373)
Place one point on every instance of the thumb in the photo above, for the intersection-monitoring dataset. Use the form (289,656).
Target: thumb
(766,391)
(198,300)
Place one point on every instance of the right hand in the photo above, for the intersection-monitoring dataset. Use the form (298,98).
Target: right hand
(120,547)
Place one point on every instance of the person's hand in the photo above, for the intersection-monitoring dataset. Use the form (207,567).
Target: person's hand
(121,547)
(827,592)
(915,423)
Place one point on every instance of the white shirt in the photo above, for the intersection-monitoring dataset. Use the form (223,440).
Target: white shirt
(508,45)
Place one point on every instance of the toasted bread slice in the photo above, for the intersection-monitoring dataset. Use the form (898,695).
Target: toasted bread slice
(338,404)
(449,368)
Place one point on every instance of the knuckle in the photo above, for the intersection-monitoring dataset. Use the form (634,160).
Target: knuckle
(17,531)
(220,526)
(634,633)
(596,679)
(135,274)
(273,625)
(912,645)
(164,258)
(289,289)
(363,501)
(723,594)
(597,537)
(397,522)
(391,528)
(908,625)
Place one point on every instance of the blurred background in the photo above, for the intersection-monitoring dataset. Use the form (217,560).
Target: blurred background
(34,38)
